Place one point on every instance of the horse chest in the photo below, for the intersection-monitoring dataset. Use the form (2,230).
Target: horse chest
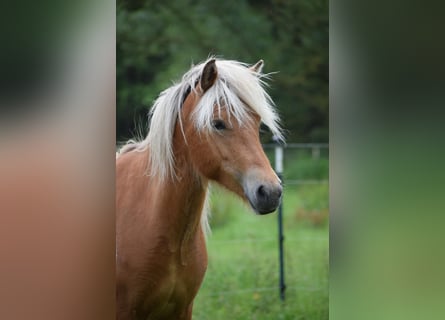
(181,277)
(172,296)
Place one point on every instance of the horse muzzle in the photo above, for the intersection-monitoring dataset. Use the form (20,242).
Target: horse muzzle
(264,197)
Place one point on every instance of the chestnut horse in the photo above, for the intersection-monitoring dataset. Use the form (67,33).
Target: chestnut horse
(205,128)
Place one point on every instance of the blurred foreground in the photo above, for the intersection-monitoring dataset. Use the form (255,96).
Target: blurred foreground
(57,115)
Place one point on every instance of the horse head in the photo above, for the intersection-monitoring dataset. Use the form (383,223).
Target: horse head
(220,120)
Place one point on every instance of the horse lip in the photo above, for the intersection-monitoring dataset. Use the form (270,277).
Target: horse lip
(252,205)
(263,211)
(268,210)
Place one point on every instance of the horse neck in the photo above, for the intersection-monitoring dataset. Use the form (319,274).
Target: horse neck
(186,208)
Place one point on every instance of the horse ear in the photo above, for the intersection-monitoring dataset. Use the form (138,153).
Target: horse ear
(257,67)
(208,75)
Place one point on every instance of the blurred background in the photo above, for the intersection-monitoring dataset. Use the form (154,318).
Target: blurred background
(57,159)
(157,41)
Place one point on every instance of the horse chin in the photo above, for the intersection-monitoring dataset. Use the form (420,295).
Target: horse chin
(261,211)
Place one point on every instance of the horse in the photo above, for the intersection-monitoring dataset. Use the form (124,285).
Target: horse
(203,128)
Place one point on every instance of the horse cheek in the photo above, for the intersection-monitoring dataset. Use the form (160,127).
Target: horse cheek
(208,166)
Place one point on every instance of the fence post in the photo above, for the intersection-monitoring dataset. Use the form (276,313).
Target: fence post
(279,171)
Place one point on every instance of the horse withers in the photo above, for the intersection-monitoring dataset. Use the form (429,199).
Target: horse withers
(204,128)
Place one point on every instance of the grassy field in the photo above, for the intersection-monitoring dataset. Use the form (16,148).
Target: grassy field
(242,277)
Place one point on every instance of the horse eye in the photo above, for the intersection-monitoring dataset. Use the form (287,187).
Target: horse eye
(219,125)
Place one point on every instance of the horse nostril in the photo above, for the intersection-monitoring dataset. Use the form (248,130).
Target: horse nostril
(261,192)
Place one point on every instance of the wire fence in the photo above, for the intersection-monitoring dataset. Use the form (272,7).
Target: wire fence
(264,289)
(271,239)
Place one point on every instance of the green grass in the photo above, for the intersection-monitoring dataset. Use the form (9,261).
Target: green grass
(242,277)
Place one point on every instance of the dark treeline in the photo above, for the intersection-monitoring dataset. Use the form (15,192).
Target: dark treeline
(158,40)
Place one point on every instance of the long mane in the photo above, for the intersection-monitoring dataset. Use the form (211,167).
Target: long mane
(237,88)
